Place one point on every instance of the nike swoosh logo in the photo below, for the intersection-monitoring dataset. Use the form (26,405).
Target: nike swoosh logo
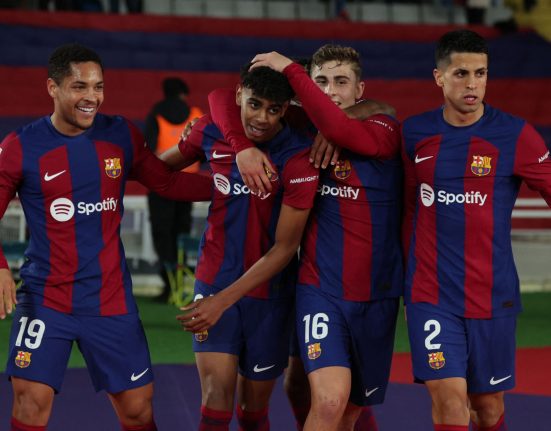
(51,177)
(368,393)
(498,381)
(134,378)
(215,155)
(258,369)
(422,159)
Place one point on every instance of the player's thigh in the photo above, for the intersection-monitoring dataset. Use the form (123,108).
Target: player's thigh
(373,326)
(330,384)
(218,377)
(116,352)
(323,334)
(254,395)
(491,366)
(40,344)
(438,341)
(266,332)
(226,336)
(134,406)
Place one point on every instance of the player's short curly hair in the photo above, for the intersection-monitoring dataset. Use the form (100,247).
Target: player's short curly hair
(267,84)
(59,64)
(458,41)
(340,54)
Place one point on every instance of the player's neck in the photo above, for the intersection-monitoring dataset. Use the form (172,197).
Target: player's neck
(462,119)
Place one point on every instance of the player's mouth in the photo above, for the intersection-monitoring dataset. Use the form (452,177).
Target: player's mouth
(470,99)
(88,111)
(257,132)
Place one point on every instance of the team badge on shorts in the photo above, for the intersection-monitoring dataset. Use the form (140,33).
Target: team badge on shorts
(113,167)
(23,359)
(314,351)
(201,336)
(481,165)
(343,169)
(437,360)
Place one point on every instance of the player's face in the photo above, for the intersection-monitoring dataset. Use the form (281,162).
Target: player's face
(77,98)
(339,82)
(261,118)
(463,83)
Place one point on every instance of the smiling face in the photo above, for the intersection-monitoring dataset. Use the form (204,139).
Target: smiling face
(261,118)
(77,98)
(463,82)
(339,82)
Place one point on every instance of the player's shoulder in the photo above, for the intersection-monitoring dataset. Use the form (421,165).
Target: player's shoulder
(501,118)
(421,121)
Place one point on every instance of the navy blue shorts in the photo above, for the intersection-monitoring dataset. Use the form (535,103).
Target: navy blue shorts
(443,345)
(114,348)
(255,330)
(356,335)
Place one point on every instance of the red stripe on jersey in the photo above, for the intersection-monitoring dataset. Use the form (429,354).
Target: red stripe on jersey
(214,238)
(425,280)
(309,271)
(480,171)
(55,181)
(357,246)
(112,293)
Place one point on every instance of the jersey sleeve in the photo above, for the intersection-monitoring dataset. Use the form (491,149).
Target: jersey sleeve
(300,181)
(156,175)
(11,174)
(532,162)
(191,147)
(226,116)
(378,136)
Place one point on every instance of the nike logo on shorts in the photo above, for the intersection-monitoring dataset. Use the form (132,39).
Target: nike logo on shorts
(134,377)
(215,155)
(51,177)
(368,393)
(422,159)
(498,381)
(258,369)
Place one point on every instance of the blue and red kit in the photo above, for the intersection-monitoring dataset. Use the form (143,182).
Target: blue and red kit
(241,226)
(71,189)
(461,186)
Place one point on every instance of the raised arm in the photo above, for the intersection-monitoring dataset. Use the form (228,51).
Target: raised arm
(252,162)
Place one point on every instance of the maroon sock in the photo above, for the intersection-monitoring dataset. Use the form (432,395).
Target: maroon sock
(253,421)
(499,426)
(366,421)
(149,427)
(214,420)
(451,427)
(300,413)
(18,426)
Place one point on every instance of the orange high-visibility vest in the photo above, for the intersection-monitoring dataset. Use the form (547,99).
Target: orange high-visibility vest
(169,134)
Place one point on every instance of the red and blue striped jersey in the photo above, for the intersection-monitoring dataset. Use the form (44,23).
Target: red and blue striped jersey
(241,226)
(71,190)
(351,248)
(461,185)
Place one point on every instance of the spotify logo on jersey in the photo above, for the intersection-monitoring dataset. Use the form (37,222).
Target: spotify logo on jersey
(62,209)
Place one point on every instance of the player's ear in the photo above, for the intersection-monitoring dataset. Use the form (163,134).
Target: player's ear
(238,94)
(51,86)
(438,77)
(360,89)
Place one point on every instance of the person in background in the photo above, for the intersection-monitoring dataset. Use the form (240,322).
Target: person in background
(169,218)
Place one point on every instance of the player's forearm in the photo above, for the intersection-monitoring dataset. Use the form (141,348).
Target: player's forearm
(226,116)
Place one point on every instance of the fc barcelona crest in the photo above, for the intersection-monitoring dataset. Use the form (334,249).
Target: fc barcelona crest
(437,360)
(113,167)
(23,359)
(314,351)
(201,336)
(343,169)
(481,165)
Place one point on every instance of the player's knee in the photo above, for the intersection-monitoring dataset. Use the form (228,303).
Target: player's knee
(487,409)
(451,407)
(329,407)
(218,397)
(31,407)
(138,411)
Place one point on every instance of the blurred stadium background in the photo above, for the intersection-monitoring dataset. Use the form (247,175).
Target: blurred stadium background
(205,42)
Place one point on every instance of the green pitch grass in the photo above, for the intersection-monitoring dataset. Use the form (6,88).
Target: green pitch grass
(169,344)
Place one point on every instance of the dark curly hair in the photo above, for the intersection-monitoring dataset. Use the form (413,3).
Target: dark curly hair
(59,64)
(458,41)
(266,83)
